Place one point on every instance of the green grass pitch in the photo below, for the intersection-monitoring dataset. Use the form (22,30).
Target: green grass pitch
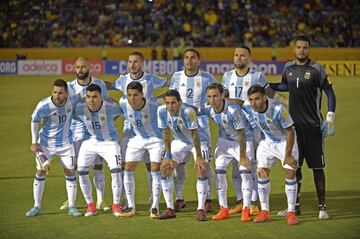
(18,98)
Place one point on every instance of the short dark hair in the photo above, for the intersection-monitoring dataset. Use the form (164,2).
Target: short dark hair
(193,50)
(137,53)
(302,38)
(134,85)
(214,86)
(246,48)
(174,93)
(255,89)
(93,87)
(61,83)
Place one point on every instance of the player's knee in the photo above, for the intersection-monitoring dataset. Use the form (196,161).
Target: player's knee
(69,172)
(98,167)
(154,167)
(290,174)
(130,166)
(263,173)
(40,172)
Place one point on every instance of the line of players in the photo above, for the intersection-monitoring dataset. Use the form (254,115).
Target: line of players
(81,113)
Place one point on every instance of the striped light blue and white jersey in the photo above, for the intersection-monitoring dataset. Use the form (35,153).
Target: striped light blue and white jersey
(272,122)
(99,125)
(55,120)
(78,92)
(229,121)
(192,89)
(181,124)
(238,85)
(148,81)
(143,121)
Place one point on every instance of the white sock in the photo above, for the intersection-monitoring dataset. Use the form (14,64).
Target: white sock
(156,189)
(222,187)
(179,178)
(129,184)
(210,177)
(254,194)
(124,203)
(246,185)
(149,182)
(86,188)
(38,189)
(167,185)
(291,190)
(116,185)
(202,190)
(264,191)
(71,189)
(99,182)
(236,178)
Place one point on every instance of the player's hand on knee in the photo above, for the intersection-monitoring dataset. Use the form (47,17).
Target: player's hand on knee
(328,126)
(245,162)
(200,166)
(291,161)
(167,166)
(34,148)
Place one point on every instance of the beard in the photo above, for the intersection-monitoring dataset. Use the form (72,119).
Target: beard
(302,59)
(240,65)
(82,76)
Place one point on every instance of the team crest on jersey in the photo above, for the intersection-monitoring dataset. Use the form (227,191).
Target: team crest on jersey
(192,116)
(131,116)
(198,83)
(68,110)
(224,121)
(146,116)
(102,117)
(182,85)
(285,114)
(268,120)
(307,75)
(290,74)
(180,121)
(246,83)
(232,84)
(87,118)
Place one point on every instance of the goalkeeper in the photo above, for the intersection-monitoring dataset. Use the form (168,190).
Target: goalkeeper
(305,80)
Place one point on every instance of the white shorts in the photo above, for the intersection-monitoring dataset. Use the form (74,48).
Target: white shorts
(227,150)
(108,150)
(77,145)
(138,147)
(65,153)
(180,151)
(268,151)
(126,135)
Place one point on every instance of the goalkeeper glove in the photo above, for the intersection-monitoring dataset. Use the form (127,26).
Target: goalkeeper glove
(328,126)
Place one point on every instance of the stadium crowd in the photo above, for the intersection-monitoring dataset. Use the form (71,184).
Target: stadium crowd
(221,23)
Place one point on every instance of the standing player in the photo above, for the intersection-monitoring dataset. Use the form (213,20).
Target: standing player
(181,120)
(237,82)
(77,89)
(234,142)
(149,83)
(191,84)
(141,114)
(54,138)
(277,126)
(100,140)
(305,80)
